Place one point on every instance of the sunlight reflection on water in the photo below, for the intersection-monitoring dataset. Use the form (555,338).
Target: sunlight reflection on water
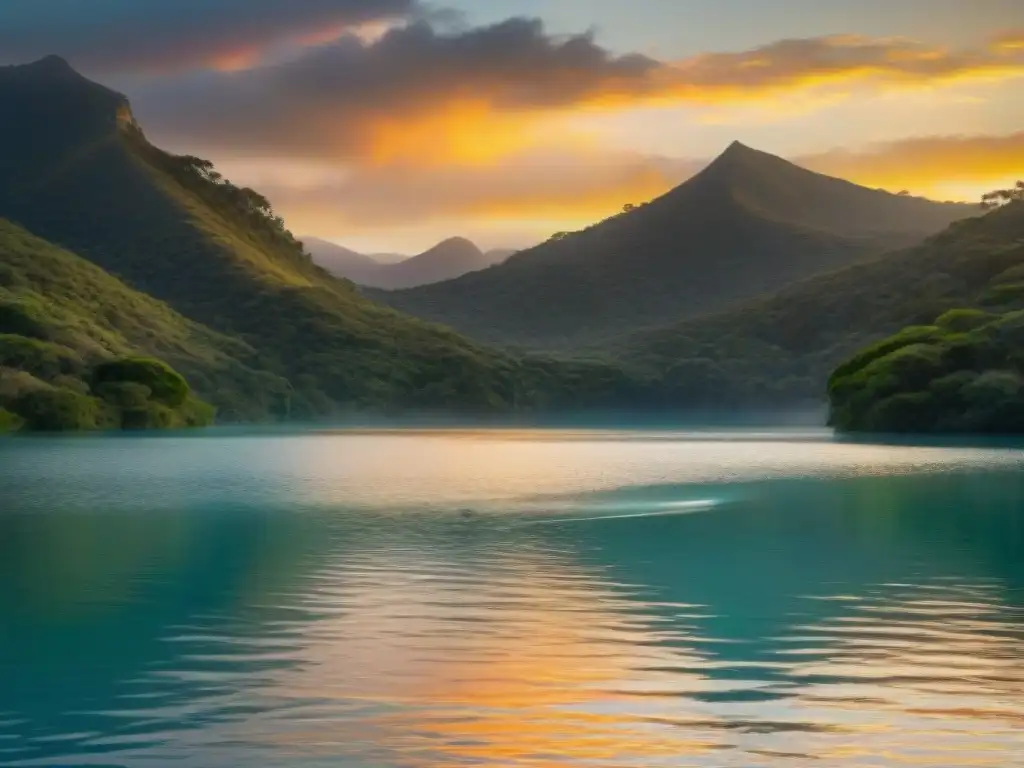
(320,600)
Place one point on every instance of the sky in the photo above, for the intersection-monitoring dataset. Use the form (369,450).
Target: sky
(388,125)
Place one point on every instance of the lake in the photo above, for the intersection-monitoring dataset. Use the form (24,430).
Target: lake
(509,598)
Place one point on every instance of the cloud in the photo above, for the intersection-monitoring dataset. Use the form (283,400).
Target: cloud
(419,94)
(837,60)
(585,185)
(574,186)
(113,36)
(1010,41)
(416,92)
(926,163)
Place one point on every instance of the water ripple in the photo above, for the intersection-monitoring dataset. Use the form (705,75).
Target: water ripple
(873,620)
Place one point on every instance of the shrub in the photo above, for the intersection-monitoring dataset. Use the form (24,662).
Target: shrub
(970,380)
(148,416)
(9,422)
(23,317)
(196,413)
(58,410)
(914,334)
(124,394)
(905,412)
(15,383)
(962,320)
(40,358)
(165,384)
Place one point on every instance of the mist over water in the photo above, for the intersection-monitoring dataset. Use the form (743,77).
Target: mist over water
(510,598)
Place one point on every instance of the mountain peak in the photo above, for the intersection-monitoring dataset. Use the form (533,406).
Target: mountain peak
(736,147)
(461,243)
(739,155)
(51,65)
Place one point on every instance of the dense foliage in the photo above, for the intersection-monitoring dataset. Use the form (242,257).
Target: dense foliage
(67,333)
(783,348)
(60,314)
(965,373)
(8,421)
(998,197)
(112,396)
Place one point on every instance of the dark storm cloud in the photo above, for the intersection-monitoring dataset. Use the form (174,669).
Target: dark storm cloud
(123,36)
(335,99)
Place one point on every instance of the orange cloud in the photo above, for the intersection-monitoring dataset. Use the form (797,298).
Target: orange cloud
(826,64)
(927,164)
(235,61)
(564,186)
(1010,41)
(570,188)
(420,96)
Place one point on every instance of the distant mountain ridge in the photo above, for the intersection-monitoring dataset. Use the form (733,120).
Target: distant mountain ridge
(447,260)
(748,224)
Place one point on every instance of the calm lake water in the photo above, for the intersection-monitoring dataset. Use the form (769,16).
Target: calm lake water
(503,598)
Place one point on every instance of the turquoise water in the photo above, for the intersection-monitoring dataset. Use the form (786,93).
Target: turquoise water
(503,598)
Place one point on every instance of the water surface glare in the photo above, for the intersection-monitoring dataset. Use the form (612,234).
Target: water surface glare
(510,598)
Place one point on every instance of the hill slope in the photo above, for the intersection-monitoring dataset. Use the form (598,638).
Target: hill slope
(60,315)
(76,170)
(963,374)
(447,260)
(783,348)
(749,224)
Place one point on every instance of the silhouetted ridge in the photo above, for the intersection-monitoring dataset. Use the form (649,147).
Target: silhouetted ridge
(448,259)
(53,64)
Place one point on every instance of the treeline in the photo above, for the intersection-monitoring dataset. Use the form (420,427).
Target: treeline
(130,393)
(964,374)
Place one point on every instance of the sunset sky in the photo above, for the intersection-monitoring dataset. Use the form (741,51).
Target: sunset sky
(387,125)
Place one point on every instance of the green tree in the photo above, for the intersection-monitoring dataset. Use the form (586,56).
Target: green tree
(165,384)
(1000,197)
(8,421)
(58,410)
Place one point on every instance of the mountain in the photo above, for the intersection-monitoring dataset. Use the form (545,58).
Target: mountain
(748,224)
(344,262)
(388,258)
(497,255)
(783,348)
(77,172)
(449,259)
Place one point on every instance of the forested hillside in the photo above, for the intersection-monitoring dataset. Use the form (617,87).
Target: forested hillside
(748,225)
(784,347)
(76,170)
(62,319)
